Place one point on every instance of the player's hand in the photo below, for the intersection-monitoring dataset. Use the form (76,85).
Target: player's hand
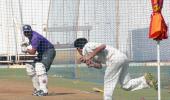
(82,59)
(88,62)
(85,58)
(93,64)
(24,49)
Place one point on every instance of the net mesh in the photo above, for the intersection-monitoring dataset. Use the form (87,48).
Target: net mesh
(122,24)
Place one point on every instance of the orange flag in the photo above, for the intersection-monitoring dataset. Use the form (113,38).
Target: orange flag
(158,28)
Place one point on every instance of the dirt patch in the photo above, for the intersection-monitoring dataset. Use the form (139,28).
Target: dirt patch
(14,90)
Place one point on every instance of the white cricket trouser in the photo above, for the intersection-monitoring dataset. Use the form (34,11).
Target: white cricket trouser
(38,75)
(32,73)
(42,76)
(117,71)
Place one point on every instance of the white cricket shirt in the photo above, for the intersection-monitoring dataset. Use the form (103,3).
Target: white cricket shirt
(108,54)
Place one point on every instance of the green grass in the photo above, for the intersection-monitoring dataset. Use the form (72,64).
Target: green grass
(119,94)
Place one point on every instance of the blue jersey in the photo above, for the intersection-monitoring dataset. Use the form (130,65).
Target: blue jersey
(40,43)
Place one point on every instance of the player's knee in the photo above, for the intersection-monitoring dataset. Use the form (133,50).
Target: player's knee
(40,69)
(30,70)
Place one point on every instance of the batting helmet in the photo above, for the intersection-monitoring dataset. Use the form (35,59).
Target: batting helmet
(27,30)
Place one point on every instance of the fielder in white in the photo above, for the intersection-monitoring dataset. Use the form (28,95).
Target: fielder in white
(96,54)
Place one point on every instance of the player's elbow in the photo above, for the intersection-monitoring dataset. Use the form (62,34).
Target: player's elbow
(103,46)
(100,48)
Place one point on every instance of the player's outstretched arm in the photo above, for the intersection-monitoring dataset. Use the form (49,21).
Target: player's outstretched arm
(91,63)
(95,52)
(85,58)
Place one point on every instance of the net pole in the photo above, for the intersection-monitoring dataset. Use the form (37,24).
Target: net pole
(49,8)
(77,29)
(158,64)
(117,24)
(8,35)
(20,12)
(16,27)
(21,24)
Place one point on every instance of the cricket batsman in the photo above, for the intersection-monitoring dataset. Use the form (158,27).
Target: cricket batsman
(96,54)
(45,56)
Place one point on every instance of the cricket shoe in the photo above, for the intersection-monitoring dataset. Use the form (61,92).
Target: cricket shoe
(151,81)
(40,93)
(34,93)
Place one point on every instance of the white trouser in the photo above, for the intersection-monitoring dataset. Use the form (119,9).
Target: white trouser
(42,76)
(117,71)
(32,73)
(38,75)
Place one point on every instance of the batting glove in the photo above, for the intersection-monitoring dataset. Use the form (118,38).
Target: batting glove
(24,49)
(24,44)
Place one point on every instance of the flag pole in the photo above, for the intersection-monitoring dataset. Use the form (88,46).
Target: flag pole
(158,64)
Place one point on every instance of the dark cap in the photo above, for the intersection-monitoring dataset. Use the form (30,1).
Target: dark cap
(80,42)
